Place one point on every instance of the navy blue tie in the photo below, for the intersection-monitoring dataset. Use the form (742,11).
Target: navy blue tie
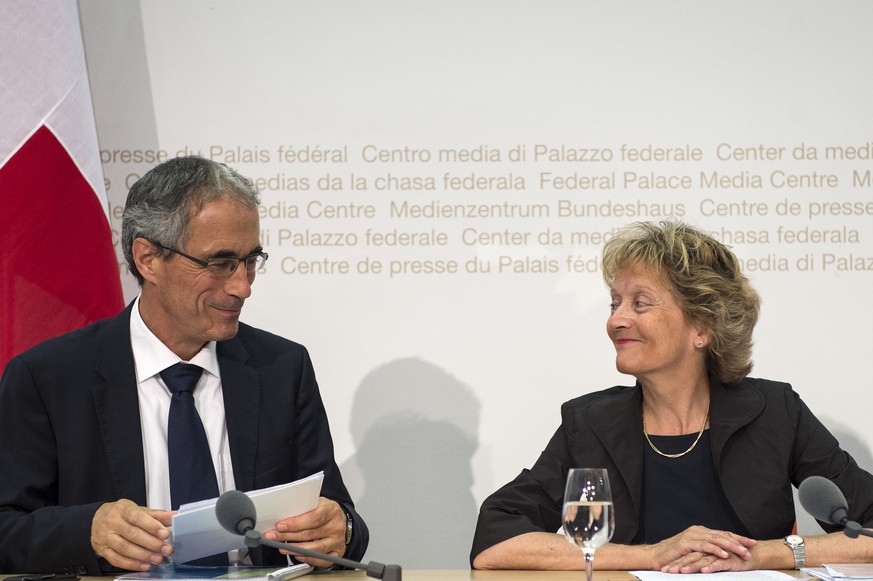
(192,475)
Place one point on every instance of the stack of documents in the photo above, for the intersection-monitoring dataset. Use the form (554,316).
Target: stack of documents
(196,532)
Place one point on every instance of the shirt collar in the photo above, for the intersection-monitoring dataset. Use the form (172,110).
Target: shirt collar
(151,356)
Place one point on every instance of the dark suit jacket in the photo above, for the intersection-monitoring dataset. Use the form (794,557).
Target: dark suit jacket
(70,437)
(763,440)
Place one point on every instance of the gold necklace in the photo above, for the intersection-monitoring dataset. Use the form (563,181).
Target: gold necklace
(697,439)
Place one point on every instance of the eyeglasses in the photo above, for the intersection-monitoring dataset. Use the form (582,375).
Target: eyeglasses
(223,267)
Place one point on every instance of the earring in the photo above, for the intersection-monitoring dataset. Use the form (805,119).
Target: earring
(699,344)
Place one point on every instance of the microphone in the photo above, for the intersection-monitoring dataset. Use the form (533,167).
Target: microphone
(236,513)
(825,501)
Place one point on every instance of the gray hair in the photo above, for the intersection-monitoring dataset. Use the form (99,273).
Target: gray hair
(161,202)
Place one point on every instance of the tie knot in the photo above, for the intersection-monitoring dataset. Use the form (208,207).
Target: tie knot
(181,377)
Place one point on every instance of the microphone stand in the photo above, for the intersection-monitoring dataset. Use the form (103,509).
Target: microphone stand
(254,538)
(852,529)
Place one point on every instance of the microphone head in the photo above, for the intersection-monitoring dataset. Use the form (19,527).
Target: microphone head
(236,512)
(823,500)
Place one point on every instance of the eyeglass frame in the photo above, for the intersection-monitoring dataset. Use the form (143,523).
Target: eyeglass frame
(206,263)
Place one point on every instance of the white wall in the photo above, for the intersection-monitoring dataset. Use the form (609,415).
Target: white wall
(441,387)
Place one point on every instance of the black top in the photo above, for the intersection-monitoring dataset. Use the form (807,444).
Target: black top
(680,492)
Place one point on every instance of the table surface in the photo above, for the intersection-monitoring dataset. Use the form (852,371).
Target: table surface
(468,575)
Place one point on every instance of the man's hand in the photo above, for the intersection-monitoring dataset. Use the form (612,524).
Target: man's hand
(322,529)
(700,547)
(129,536)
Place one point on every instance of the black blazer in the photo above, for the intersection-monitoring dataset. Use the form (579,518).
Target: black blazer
(70,437)
(763,440)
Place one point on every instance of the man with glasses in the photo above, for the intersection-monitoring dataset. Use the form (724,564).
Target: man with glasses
(104,431)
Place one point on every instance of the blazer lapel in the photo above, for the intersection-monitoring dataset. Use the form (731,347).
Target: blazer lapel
(617,423)
(241,388)
(731,408)
(117,405)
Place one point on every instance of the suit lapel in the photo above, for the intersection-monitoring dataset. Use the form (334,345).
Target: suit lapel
(116,404)
(241,388)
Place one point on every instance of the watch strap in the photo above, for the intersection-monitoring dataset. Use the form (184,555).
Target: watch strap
(798,548)
(349,528)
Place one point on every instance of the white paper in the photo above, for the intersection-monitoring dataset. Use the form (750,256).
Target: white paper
(851,570)
(196,532)
(830,572)
(725,576)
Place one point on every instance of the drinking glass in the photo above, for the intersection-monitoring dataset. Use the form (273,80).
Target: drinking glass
(588,516)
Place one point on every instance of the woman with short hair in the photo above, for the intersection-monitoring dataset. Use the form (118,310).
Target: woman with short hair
(701,458)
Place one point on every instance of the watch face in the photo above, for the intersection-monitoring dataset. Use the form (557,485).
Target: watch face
(348,528)
(794,540)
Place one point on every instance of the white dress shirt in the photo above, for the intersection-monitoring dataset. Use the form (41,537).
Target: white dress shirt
(151,357)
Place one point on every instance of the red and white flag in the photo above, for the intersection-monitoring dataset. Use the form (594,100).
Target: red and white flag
(58,269)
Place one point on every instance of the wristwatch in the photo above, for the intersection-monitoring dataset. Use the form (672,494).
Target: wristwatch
(795,543)
(349,528)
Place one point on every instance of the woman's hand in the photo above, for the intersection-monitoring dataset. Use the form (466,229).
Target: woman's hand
(697,549)
(708,563)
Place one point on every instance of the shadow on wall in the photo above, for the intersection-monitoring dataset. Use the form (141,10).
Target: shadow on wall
(415,430)
(852,443)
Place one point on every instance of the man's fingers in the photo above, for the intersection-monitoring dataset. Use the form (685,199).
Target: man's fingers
(165,517)
(128,536)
